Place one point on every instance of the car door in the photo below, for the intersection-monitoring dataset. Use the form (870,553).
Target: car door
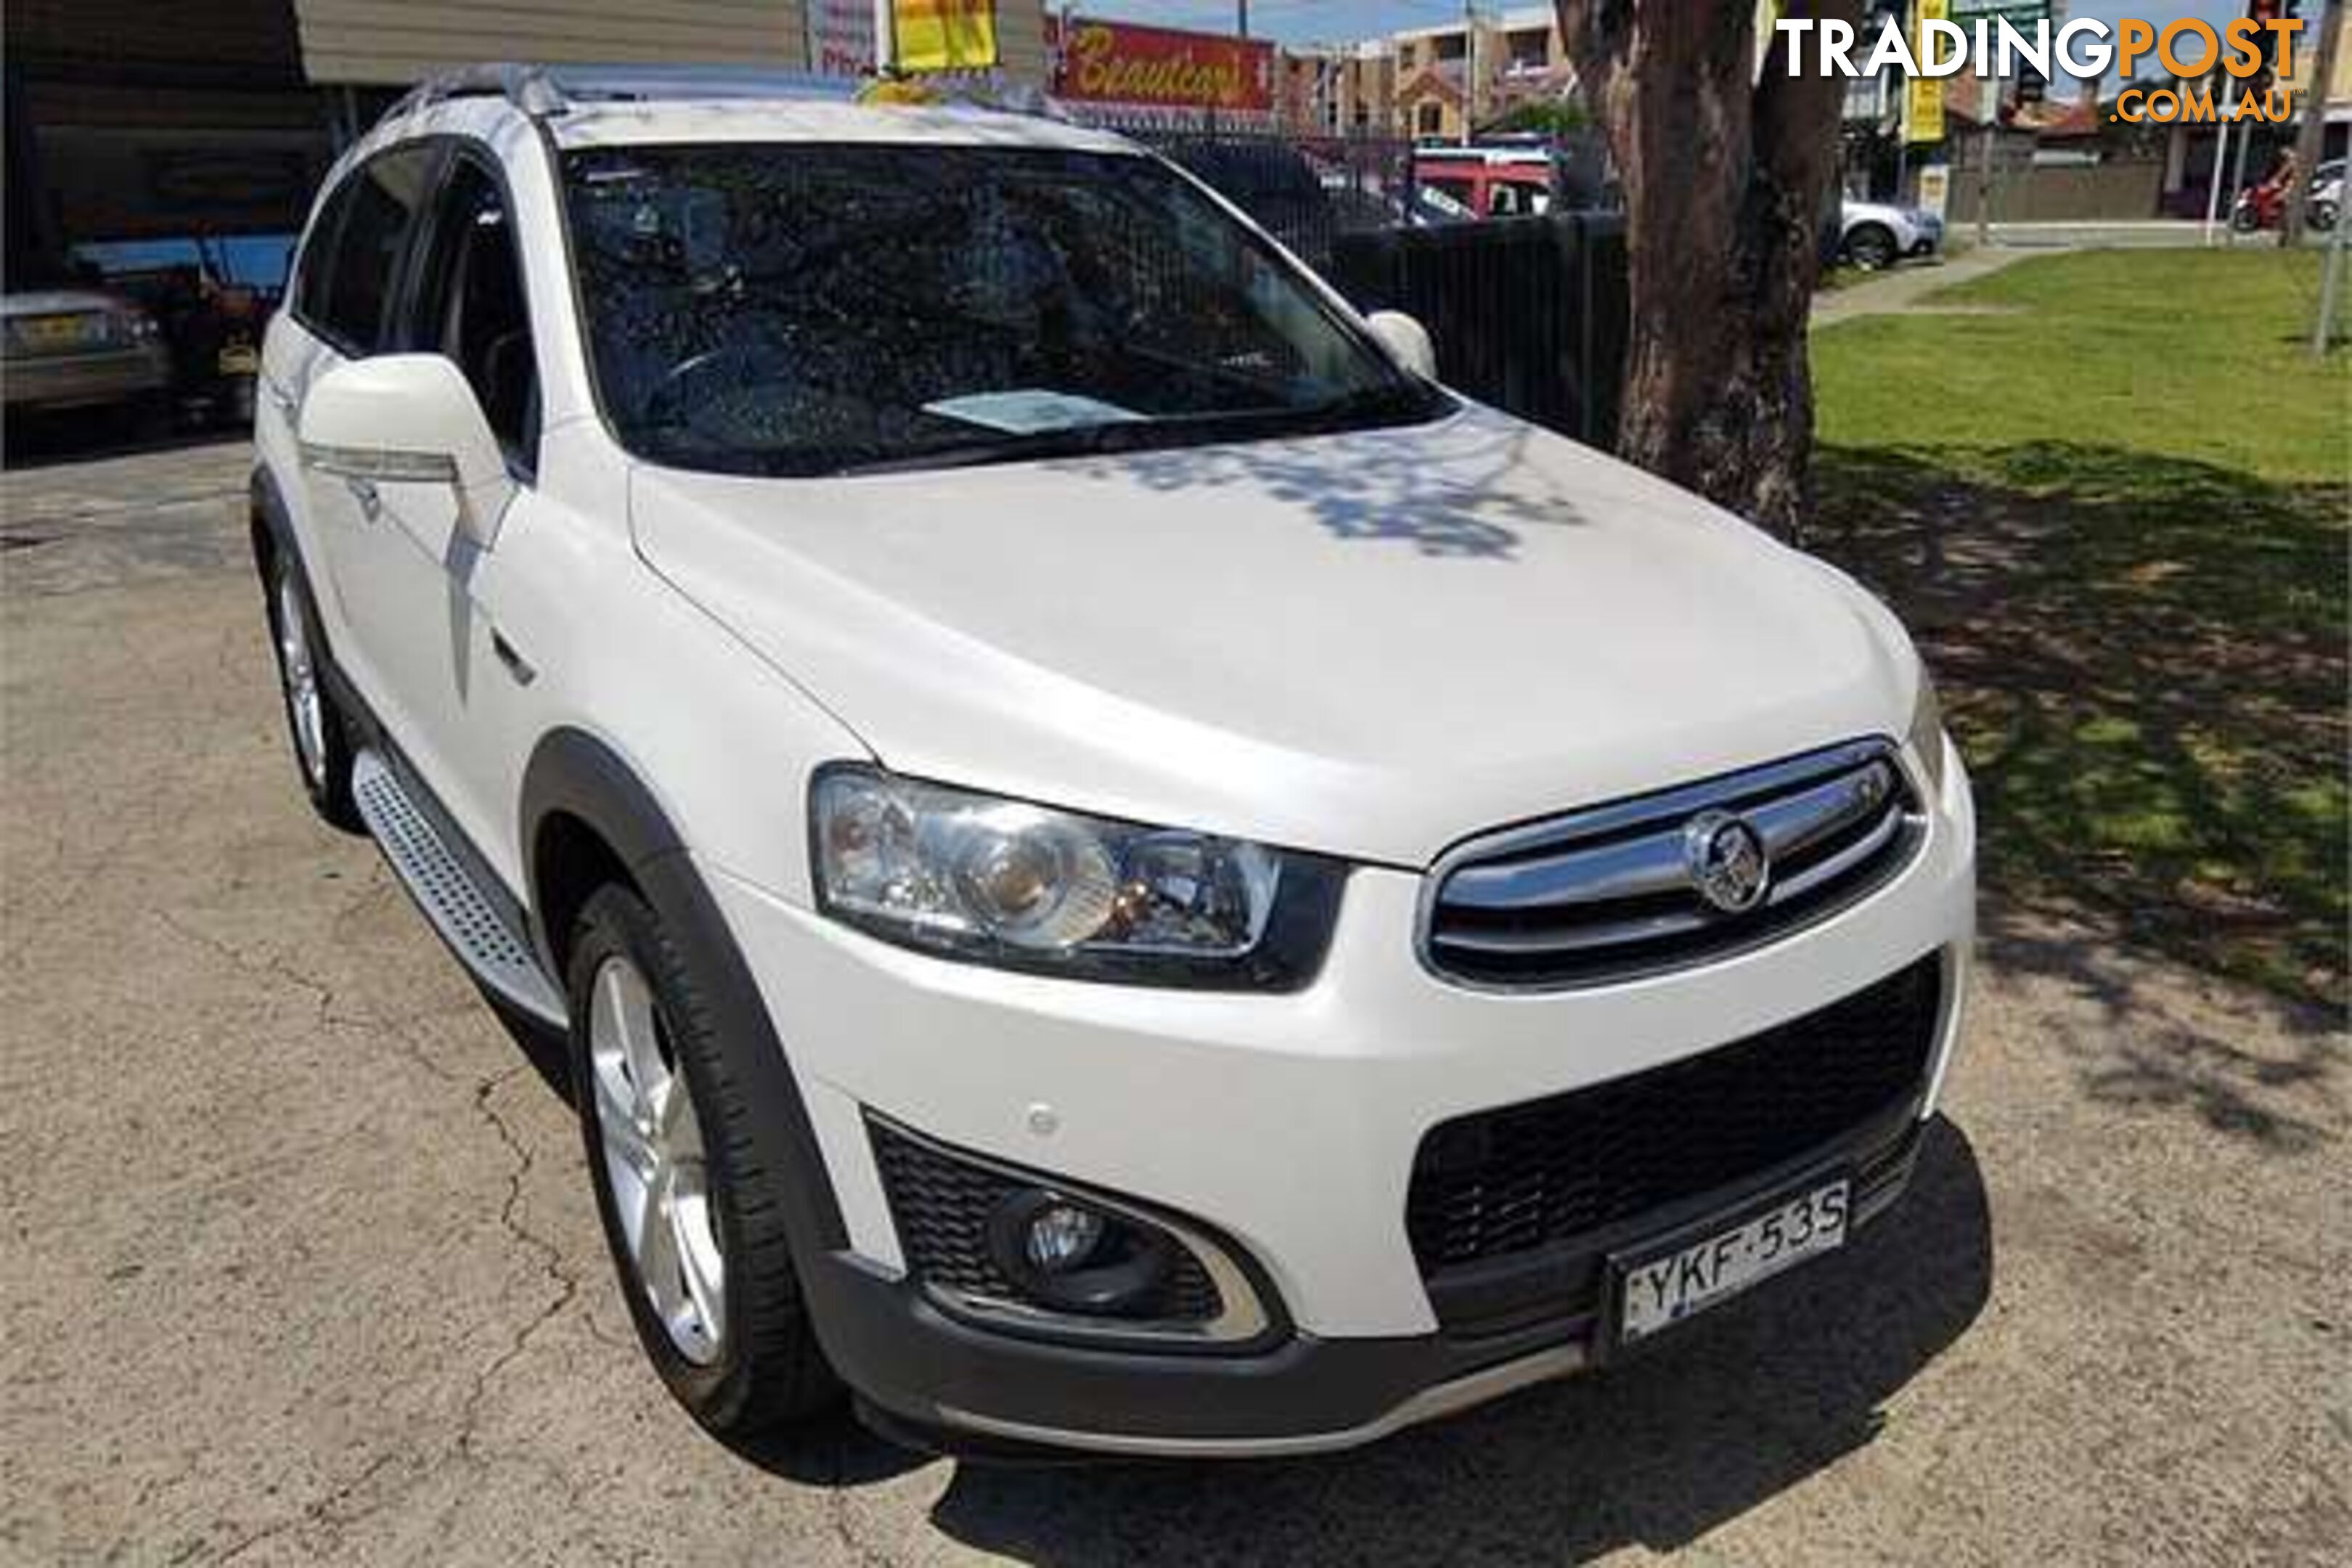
(348,306)
(432,588)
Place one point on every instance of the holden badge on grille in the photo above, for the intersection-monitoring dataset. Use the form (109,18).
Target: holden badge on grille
(1726,861)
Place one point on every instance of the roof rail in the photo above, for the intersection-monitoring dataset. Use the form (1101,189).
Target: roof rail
(542,91)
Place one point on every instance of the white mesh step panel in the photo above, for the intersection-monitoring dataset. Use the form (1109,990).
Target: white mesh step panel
(468,919)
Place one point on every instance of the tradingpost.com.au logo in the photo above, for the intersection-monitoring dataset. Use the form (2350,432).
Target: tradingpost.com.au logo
(2197,53)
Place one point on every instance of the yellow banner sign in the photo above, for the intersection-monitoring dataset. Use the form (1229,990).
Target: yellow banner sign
(943,35)
(1923,105)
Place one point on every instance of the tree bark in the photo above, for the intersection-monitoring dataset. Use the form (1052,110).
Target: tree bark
(1726,176)
(2311,140)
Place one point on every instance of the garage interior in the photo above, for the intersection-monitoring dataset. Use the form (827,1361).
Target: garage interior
(131,122)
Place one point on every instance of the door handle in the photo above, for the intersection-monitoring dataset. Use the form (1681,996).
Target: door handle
(517,666)
(284,401)
(364,492)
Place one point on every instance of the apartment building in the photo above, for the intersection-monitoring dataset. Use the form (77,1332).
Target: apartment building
(1456,77)
(1343,89)
(1436,83)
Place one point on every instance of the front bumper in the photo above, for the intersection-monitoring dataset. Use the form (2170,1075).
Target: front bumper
(1288,1125)
(946,1383)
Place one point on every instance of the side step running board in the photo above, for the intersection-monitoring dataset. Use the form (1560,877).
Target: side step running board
(488,939)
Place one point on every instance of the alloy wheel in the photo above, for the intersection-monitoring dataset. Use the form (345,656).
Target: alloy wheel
(654,1166)
(300,671)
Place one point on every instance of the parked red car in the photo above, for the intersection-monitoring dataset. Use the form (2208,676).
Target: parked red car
(1488,182)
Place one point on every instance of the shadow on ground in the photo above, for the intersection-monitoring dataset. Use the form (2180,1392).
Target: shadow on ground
(2272,1080)
(1741,1406)
(43,438)
(2144,660)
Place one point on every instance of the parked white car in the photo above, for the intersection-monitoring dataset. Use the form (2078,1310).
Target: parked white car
(2326,198)
(1876,235)
(1121,870)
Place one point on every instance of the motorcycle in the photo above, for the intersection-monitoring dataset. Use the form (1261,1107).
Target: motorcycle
(2258,207)
(2263,207)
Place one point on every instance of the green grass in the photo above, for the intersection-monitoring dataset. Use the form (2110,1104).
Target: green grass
(2118,513)
(2187,353)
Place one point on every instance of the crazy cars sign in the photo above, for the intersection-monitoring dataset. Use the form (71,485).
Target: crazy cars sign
(1160,68)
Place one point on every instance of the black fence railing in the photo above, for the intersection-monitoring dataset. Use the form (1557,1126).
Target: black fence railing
(1307,192)
(1529,314)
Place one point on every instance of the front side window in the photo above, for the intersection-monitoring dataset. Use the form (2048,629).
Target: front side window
(811,308)
(472,307)
(374,215)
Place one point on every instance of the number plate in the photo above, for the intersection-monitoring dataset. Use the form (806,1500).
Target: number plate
(61,332)
(1662,1290)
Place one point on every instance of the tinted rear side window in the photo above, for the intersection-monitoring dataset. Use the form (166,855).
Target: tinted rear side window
(372,217)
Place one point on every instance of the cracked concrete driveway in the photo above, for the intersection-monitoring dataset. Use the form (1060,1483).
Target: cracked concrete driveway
(302,1266)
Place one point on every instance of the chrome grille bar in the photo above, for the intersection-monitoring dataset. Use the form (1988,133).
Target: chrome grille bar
(1607,892)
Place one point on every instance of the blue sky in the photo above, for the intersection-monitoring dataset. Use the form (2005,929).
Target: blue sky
(1312,21)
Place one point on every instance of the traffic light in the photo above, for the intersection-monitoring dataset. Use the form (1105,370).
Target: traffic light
(2261,13)
(2264,12)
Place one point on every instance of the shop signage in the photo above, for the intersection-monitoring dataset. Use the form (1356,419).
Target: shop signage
(943,35)
(1160,68)
(841,37)
(1923,113)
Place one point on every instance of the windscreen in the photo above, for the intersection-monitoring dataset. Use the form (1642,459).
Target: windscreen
(807,309)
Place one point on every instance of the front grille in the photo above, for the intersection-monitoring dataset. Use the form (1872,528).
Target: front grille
(1550,1171)
(941,1206)
(1606,893)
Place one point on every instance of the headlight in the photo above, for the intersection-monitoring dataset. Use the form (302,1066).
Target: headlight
(1025,887)
(1926,738)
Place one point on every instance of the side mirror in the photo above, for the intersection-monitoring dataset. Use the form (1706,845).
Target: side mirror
(1407,340)
(409,419)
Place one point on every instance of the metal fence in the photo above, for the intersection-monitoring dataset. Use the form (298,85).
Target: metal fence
(1529,314)
(1307,192)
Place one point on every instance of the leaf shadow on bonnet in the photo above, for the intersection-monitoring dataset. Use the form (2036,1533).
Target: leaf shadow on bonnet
(1463,490)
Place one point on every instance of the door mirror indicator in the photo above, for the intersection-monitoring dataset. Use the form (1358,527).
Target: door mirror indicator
(409,419)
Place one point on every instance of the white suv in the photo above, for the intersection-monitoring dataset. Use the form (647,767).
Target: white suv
(1122,870)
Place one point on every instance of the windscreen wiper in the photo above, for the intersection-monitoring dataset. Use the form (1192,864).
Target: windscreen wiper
(1388,401)
(1069,441)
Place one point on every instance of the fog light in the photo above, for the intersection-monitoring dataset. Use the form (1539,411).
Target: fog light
(1061,1237)
(1073,1257)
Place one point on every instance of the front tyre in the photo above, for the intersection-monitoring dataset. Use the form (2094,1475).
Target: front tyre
(321,742)
(1872,247)
(692,1214)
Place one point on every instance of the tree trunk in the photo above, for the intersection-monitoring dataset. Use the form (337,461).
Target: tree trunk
(1726,177)
(2311,140)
